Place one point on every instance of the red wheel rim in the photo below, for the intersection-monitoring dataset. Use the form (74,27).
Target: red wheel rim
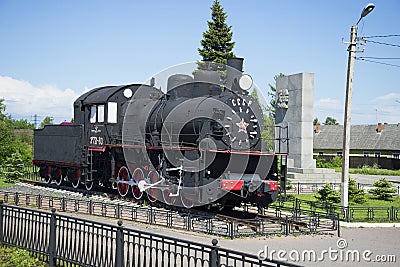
(169,200)
(76,180)
(47,177)
(186,198)
(59,176)
(137,177)
(153,193)
(123,175)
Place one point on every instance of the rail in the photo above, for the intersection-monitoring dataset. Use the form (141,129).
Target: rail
(58,238)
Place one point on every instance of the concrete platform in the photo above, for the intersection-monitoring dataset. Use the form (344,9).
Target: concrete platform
(313,175)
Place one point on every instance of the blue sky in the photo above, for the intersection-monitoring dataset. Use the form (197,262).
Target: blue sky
(51,51)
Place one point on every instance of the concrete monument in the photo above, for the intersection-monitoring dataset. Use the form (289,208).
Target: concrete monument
(294,108)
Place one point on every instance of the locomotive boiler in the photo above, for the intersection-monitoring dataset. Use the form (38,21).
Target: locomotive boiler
(196,144)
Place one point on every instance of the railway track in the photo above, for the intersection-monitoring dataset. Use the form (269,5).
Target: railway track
(231,223)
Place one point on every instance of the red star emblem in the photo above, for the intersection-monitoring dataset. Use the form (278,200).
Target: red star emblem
(242,126)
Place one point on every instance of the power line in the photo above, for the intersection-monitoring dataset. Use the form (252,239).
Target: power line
(382,36)
(380,57)
(395,45)
(382,63)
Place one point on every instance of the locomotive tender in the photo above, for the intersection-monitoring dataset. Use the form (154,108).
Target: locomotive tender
(197,144)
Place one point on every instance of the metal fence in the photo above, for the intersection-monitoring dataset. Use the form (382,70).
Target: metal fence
(188,220)
(74,241)
(327,210)
(311,188)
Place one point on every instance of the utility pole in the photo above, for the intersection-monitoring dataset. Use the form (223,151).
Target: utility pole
(347,111)
(35,120)
(347,116)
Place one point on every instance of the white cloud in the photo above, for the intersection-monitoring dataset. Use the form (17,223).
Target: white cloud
(380,109)
(392,97)
(23,99)
(328,107)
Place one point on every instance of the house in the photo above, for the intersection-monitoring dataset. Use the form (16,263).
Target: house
(376,141)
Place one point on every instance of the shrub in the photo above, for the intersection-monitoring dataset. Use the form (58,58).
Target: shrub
(356,195)
(13,168)
(383,190)
(327,194)
(335,162)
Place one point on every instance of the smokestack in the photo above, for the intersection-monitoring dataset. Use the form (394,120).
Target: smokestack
(317,128)
(234,70)
(379,129)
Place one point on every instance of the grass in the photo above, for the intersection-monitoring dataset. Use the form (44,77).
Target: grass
(371,202)
(4,184)
(378,211)
(14,257)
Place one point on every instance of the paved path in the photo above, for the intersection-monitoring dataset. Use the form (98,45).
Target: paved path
(380,241)
(370,179)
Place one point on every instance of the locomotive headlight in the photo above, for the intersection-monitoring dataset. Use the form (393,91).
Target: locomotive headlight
(128,93)
(245,82)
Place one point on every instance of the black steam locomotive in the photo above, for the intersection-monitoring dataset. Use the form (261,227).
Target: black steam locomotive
(197,144)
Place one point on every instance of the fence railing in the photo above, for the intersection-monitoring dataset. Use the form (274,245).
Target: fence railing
(80,242)
(348,214)
(311,188)
(185,220)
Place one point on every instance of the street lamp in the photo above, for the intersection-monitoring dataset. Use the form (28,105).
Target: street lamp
(347,112)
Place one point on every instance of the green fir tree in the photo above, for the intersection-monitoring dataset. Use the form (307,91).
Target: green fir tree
(217,44)
(327,194)
(13,168)
(356,195)
(383,190)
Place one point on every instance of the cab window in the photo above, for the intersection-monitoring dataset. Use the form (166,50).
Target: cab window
(93,114)
(100,113)
(112,112)
(97,113)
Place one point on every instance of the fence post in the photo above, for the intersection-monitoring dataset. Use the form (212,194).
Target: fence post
(119,255)
(63,206)
(286,225)
(52,241)
(214,257)
(1,222)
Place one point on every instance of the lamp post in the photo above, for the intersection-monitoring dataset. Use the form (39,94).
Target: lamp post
(347,112)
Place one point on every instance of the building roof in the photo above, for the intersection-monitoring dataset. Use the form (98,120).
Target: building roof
(363,137)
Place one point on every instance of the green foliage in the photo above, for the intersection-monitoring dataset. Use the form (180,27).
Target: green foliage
(336,161)
(315,121)
(2,110)
(217,42)
(327,194)
(46,121)
(9,141)
(272,93)
(13,257)
(356,195)
(383,190)
(331,121)
(322,162)
(13,168)
(268,132)
(289,185)
(374,171)
(22,124)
